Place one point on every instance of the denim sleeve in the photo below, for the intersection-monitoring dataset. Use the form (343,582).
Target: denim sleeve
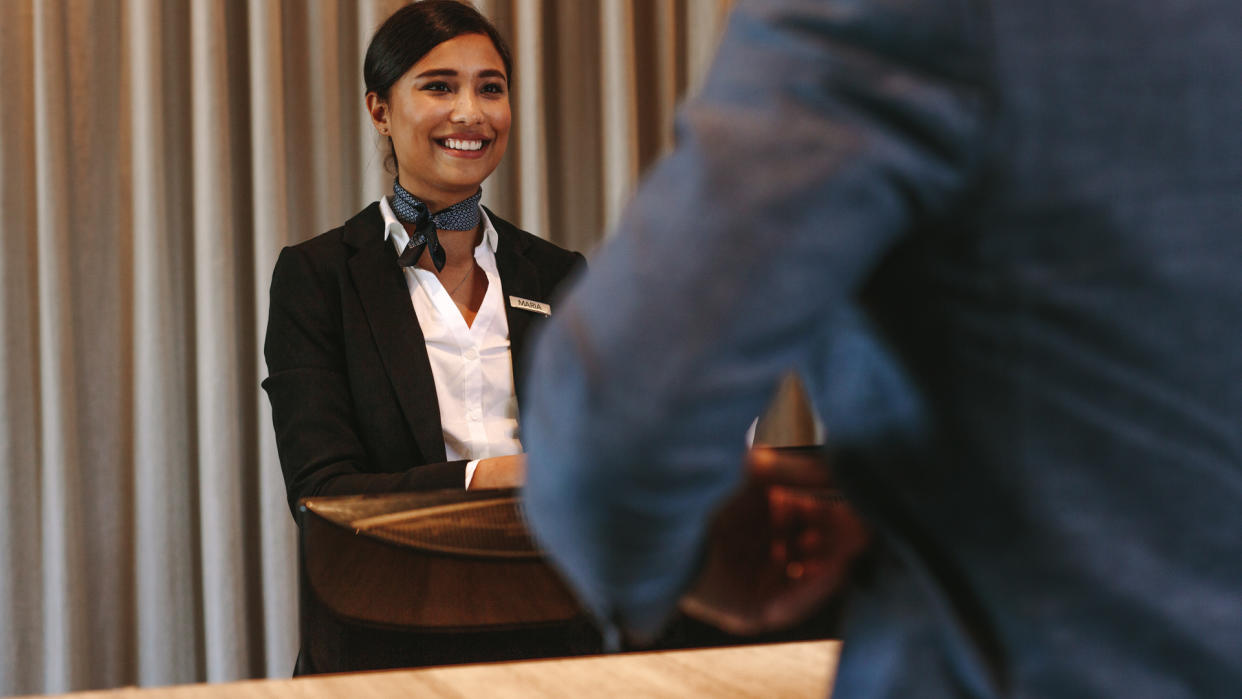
(824,133)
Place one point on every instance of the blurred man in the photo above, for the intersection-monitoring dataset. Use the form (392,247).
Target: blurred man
(1004,242)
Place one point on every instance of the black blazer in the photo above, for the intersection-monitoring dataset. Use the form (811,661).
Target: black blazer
(353,398)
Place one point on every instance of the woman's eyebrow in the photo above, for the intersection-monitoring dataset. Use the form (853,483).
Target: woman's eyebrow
(437,72)
(451,73)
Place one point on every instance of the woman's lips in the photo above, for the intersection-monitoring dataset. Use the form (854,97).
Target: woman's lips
(464,147)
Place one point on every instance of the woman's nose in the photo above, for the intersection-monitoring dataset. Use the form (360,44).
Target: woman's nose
(466,109)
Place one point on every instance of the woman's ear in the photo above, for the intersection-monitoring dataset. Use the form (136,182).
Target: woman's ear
(377,107)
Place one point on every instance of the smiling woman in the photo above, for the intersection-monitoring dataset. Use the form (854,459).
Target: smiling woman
(393,340)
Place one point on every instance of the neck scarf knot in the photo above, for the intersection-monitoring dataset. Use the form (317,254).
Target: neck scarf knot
(462,216)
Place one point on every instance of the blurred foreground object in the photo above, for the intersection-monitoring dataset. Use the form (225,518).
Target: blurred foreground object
(1002,243)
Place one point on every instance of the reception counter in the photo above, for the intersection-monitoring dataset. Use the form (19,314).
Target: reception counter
(799,669)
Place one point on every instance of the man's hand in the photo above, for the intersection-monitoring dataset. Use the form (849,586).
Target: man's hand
(499,472)
(779,549)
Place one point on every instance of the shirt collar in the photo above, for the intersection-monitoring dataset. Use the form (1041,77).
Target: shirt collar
(394,231)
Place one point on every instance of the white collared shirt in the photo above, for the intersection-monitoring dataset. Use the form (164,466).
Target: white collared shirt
(470,364)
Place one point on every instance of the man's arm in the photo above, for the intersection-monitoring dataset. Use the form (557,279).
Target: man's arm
(824,132)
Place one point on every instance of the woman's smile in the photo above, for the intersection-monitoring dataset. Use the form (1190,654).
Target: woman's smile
(470,146)
(464,144)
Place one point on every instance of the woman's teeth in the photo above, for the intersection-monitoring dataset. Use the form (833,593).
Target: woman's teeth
(457,144)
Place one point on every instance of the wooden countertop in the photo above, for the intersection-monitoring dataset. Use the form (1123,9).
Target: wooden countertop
(802,669)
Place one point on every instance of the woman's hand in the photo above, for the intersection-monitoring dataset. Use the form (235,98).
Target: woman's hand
(499,472)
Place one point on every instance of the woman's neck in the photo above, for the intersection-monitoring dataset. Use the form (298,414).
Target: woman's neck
(458,247)
(460,244)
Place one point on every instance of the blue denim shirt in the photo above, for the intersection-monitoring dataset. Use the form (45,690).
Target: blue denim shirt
(1005,241)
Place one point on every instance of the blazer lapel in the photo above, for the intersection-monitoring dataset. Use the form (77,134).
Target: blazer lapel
(385,299)
(518,277)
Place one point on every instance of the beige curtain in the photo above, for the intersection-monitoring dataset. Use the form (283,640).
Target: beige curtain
(156,156)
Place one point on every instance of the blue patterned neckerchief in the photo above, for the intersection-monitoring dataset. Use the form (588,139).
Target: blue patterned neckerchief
(462,216)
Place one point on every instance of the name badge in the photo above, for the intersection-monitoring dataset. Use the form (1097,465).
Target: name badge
(528,305)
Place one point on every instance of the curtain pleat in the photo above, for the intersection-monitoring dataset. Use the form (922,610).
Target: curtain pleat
(157,155)
(269,232)
(323,184)
(21,627)
(704,22)
(225,376)
(64,637)
(619,127)
(531,137)
(572,113)
(669,72)
(372,180)
(165,462)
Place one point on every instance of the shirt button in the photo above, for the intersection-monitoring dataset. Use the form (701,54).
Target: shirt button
(472,354)
(474,414)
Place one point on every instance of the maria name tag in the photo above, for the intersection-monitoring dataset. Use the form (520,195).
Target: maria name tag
(528,305)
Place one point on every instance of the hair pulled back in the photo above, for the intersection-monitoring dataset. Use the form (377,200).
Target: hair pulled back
(413,31)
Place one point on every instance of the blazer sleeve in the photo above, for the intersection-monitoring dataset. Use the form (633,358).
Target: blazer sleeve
(313,411)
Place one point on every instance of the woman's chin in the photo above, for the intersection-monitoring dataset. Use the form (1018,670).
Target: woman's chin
(468,181)
(448,179)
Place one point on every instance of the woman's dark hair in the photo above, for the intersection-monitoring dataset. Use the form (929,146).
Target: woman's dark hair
(411,33)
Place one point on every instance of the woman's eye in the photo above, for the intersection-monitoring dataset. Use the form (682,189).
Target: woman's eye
(494,89)
(438,86)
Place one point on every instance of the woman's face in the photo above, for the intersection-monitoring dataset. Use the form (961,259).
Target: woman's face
(449,119)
